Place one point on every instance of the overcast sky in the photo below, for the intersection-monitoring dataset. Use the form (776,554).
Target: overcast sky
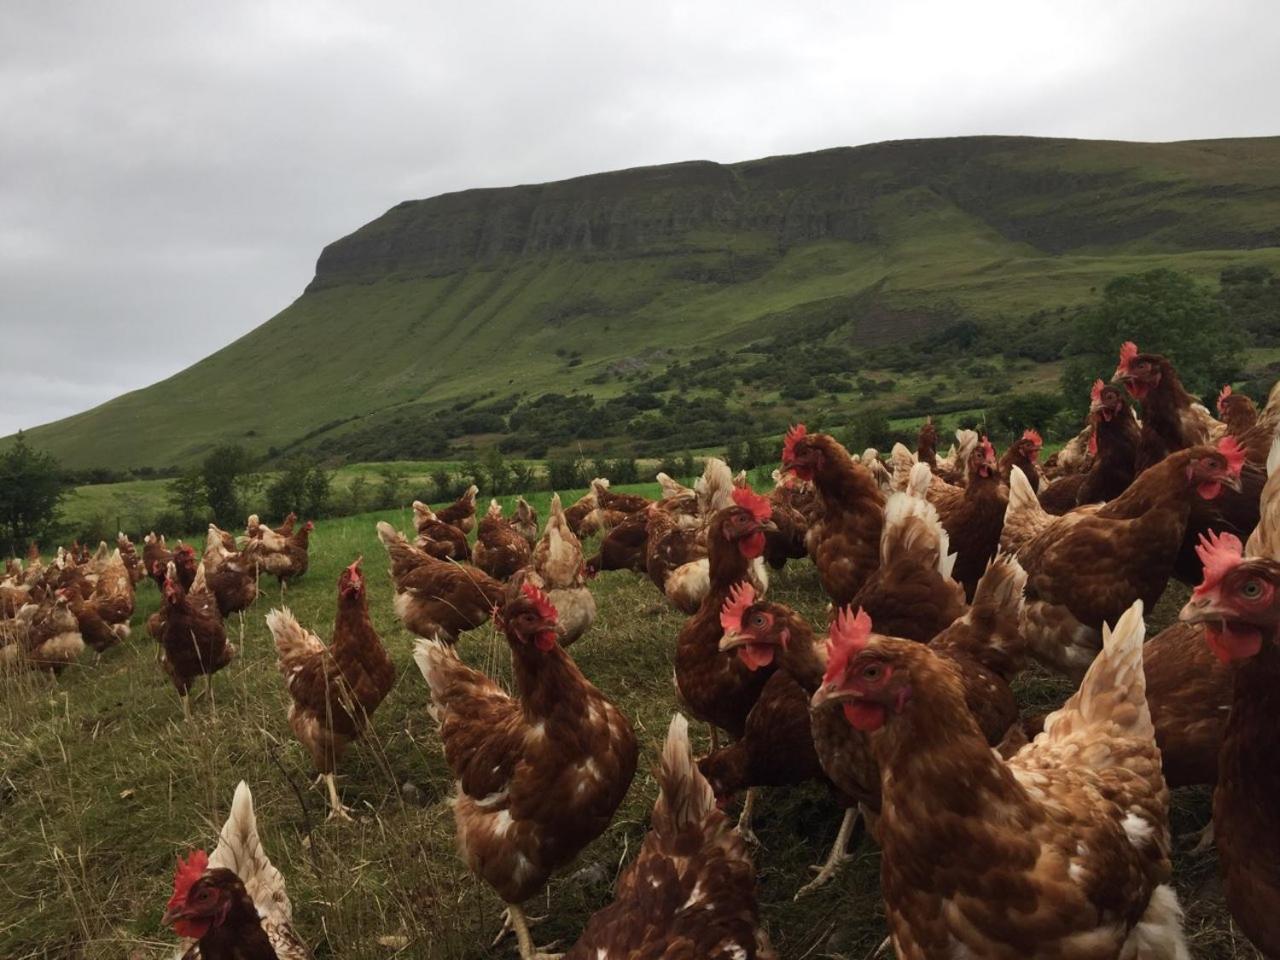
(170,170)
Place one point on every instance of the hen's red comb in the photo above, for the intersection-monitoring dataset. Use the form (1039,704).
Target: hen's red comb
(1093,442)
(1220,553)
(740,598)
(188,872)
(1222,399)
(755,504)
(1128,350)
(988,450)
(1096,393)
(546,609)
(847,636)
(1033,436)
(794,436)
(1230,448)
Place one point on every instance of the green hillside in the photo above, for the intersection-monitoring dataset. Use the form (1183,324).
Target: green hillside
(594,284)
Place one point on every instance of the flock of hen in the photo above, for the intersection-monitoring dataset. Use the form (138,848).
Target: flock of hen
(1001,836)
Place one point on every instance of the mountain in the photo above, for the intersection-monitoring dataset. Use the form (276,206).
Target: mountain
(471,304)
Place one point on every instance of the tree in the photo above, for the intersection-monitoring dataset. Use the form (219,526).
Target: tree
(1167,312)
(224,471)
(390,490)
(563,473)
(1076,380)
(187,498)
(315,501)
(302,488)
(1019,411)
(869,427)
(31,487)
(359,493)
(443,486)
(496,472)
(524,477)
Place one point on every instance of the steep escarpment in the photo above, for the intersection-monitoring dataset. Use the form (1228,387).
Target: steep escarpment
(503,295)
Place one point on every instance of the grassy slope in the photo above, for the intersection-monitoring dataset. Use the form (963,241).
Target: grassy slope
(978,240)
(101,784)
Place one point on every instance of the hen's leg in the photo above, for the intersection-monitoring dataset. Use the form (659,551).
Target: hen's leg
(336,809)
(1204,839)
(186,706)
(715,738)
(837,856)
(520,924)
(744,819)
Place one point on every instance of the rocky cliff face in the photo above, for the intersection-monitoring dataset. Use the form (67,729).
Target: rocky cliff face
(1055,195)
(560,288)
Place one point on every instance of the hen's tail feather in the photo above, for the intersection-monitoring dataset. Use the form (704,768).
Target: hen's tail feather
(1024,516)
(1114,680)
(293,642)
(1265,539)
(910,524)
(902,460)
(919,480)
(685,797)
(448,678)
(998,600)
(240,850)
(715,487)
(1002,585)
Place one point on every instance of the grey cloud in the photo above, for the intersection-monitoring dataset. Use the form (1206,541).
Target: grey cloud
(169,171)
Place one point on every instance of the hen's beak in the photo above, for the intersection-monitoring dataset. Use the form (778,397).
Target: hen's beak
(172,915)
(769,527)
(1121,376)
(1203,610)
(732,640)
(829,693)
(1233,481)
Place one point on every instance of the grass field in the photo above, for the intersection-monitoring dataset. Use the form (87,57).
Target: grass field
(102,783)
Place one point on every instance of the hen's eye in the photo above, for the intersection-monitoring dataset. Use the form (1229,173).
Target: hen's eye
(1251,590)
(871,672)
(758,620)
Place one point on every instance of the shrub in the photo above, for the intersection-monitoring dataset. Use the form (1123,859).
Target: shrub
(358,493)
(1013,414)
(443,485)
(302,488)
(564,474)
(869,427)
(224,472)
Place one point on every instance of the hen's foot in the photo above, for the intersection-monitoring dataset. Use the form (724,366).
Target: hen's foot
(837,857)
(744,819)
(336,810)
(1204,839)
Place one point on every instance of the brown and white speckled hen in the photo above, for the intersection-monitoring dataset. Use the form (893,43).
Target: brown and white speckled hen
(690,892)
(1060,852)
(539,774)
